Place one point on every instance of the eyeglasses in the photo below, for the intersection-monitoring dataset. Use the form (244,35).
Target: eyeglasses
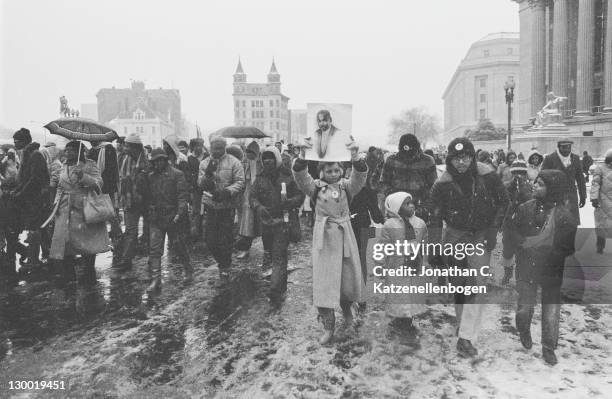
(462,158)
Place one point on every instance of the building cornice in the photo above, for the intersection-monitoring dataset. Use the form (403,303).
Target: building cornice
(464,68)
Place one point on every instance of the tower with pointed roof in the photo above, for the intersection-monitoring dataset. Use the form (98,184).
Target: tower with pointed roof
(261,105)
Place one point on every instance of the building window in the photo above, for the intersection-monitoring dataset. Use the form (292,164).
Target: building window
(483,98)
(243,114)
(125,130)
(237,103)
(153,129)
(253,103)
(510,50)
(483,114)
(486,53)
(483,82)
(271,114)
(271,126)
(244,103)
(277,125)
(277,103)
(271,103)
(277,114)
(252,114)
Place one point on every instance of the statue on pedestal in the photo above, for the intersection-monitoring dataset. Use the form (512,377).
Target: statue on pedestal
(550,113)
(64,110)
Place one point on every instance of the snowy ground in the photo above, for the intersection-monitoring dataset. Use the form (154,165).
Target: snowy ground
(224,340)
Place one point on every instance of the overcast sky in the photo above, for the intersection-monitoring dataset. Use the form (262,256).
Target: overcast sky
(380,56)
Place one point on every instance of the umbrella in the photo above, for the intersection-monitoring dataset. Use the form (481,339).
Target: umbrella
(81,129)
(241,132)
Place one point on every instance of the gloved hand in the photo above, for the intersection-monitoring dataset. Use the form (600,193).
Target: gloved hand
(300,164)
(582,202)
(222,195)
(595,203)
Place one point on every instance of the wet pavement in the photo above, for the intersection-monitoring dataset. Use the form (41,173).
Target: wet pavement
(222,338)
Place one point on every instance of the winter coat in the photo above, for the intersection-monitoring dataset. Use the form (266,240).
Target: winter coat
(364,208)
(335,255)
(166,195)
(414,175)
(31,193)
(394,230)
(266,194)
(110,172)
(541,237)
(132,177)
(587,161)
(247,219)
(601,189)
(229,175)
(574,175)
(71,235)
(482,209)
(532,171)
(504,173)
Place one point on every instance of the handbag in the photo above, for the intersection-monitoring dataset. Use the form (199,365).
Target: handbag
(98,208)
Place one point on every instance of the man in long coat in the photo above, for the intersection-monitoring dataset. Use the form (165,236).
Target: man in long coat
(569,163)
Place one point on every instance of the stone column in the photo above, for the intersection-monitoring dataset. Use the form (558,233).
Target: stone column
(538,58)
(608,61)
(586,52)
(560,53)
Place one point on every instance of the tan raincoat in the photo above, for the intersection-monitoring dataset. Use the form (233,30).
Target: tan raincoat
(336,269)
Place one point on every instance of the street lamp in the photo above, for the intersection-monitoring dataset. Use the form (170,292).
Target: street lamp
(509,88)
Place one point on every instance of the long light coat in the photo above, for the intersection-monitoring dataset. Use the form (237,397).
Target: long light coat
(601,189)
(72,236)
(336,268)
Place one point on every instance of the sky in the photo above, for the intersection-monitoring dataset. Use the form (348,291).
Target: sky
(381,56)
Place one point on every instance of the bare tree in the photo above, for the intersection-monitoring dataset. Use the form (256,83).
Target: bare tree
(416,121)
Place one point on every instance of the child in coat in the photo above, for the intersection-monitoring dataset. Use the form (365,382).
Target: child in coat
(402,225)
(335,256)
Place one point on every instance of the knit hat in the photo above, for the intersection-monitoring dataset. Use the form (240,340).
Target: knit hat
(24,135)
(556,185)
(235,151)
(394,202)
(133,138)
(158,153)
(408,142)
(460,146)
(518,166)
(274,151)
(484,156)
(217,138)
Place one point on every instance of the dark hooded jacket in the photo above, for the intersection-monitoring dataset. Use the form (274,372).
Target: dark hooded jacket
(266,191)
(472,201)
(541,233)
(32,183)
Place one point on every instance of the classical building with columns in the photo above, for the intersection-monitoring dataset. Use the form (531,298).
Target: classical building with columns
(476,90)
(566,48)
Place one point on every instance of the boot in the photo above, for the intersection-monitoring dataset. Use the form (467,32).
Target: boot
(526,340)
(508,272)
(267,260)
(465,348)
(155,276)
(347,313)
(328,318)
(549,356)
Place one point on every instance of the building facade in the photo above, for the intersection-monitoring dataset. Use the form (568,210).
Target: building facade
(299,125)
(261,105)
(165,103)
(566,48)
(476,90)
(144,121)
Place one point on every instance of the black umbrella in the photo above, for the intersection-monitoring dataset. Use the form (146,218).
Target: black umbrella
(241,132)
(81,129)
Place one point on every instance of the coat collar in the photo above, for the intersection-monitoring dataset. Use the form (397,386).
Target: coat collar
(482,168)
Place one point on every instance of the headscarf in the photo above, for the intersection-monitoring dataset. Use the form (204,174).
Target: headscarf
(173,141)
(276,153)
(394,202)
(250,169)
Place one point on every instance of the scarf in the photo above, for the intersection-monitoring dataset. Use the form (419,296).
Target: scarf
(565,160)
(101,157)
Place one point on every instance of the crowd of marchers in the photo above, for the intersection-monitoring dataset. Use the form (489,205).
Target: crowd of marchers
(229,195)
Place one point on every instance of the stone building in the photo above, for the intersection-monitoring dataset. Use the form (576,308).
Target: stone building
(165,103)
(149,124)
(476,90)
(261,105)
(298,128)
(566,48)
